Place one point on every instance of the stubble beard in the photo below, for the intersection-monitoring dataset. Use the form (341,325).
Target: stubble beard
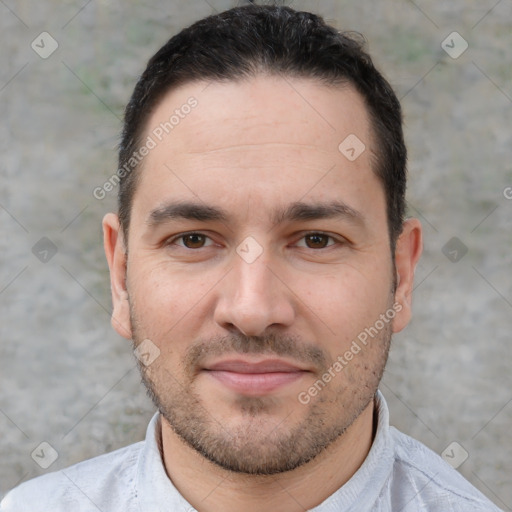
(249,447)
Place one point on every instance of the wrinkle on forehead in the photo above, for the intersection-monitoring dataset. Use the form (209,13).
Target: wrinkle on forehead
(258,145)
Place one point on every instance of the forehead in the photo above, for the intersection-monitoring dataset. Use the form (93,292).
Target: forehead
(271,136)
(261,105)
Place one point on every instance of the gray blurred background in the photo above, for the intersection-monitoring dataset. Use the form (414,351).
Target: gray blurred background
(68,380)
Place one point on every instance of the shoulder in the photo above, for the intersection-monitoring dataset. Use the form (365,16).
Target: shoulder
(87,486)
(429,483)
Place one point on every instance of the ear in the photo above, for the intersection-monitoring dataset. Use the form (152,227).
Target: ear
(408,251)
(115,251)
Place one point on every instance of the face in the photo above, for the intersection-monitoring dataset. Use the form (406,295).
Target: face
(258,257)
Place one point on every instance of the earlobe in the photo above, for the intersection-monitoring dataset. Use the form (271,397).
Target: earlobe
(408,251)
(116,257)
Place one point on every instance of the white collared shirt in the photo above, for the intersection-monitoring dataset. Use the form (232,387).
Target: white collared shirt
(399,475)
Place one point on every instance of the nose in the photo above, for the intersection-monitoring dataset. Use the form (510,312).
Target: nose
(254,296)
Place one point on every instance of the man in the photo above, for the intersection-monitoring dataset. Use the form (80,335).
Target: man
(260,261)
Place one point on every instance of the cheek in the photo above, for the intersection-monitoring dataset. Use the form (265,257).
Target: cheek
(163,297)
(345,308)
(349,298)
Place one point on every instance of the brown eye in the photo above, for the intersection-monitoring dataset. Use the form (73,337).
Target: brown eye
(194,240)
(317,241)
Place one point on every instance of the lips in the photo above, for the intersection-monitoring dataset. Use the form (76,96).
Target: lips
(254,378)
(265,366)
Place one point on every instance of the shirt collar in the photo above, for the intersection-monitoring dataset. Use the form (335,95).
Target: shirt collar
(156,492)
(362,490)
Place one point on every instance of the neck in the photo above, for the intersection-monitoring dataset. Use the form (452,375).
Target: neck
(208,487)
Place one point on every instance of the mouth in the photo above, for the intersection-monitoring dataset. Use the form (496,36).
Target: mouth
(255,378)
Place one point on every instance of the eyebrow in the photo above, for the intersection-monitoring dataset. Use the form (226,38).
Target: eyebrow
(186,210)
(297,211)
(300,211)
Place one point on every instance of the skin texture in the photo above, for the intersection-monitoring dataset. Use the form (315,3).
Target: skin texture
(254,149)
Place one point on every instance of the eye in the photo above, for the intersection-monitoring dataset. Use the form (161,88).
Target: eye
(316,241)
(191,240)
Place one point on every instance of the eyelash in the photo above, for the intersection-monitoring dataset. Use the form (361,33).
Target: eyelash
(172,241)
